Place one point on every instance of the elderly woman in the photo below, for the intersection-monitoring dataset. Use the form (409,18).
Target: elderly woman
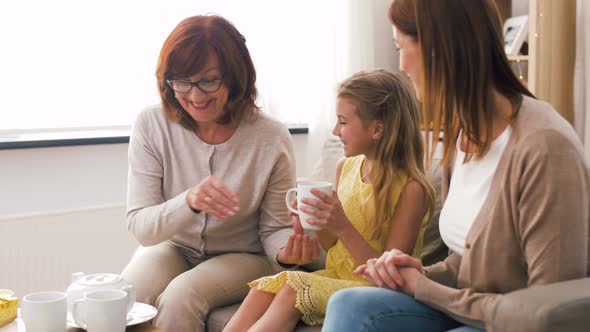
(208,173)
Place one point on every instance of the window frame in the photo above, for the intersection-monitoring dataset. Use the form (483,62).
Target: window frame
(47,138)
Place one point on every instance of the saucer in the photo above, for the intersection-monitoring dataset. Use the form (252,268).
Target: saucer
(140,313)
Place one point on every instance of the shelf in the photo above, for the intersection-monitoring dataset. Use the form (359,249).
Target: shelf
(518,58)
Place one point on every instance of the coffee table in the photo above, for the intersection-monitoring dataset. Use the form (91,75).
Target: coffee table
(143,327)
(19,326)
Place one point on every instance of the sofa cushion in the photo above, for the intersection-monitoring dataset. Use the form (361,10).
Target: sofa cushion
(325,167)
(434,249)
(220,316)
(563,306)
(325,170)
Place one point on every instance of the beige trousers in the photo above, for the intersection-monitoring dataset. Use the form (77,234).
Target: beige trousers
(185,292)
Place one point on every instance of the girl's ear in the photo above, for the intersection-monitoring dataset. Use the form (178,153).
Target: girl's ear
(377,130)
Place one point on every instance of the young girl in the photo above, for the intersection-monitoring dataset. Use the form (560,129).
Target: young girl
(380,203)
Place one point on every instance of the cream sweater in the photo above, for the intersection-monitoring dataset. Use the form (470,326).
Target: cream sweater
(532,229)
(166,161)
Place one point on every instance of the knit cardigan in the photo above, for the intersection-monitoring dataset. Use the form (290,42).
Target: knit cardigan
(532,229)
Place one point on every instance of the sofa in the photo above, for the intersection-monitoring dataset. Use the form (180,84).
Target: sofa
(325,170)
(563,306)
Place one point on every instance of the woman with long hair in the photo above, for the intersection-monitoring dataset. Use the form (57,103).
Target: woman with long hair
(516,187)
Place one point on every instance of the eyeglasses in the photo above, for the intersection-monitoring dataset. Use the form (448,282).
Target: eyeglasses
(205,85)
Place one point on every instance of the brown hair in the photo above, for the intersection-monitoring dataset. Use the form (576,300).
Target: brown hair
(186,51)
(464,61)
(387,97)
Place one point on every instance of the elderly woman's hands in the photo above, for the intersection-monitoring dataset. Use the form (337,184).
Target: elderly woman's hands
(394,270)
(213,197)
(300,249)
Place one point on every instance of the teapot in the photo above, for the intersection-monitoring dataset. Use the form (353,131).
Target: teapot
(82,283)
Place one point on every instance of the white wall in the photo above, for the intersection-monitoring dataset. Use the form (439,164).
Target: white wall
(520,7)
(35,181)
(40,252)
(62,210)
(385,54)
(62,178)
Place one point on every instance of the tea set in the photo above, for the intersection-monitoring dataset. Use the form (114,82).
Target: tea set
(94,302)
(83,283)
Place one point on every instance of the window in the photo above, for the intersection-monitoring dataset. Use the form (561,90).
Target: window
(68,63)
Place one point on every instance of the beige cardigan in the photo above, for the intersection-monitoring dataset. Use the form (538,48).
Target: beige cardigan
(532,229)
(166,160)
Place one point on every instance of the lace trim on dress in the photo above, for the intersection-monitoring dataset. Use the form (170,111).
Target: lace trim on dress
(305,293)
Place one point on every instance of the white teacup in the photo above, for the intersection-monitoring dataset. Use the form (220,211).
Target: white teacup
(303,190)
(85,283)
(102,310)
(45,312)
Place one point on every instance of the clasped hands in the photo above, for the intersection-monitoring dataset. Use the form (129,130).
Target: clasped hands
(393,269)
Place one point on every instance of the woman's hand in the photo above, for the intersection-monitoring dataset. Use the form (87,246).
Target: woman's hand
(328,211)
(213,197)
(300,249)
(392,270)
(410,276)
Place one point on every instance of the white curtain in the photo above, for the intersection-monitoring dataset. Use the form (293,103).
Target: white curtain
(362,38)
(305,50)
(582,74)
(552,53)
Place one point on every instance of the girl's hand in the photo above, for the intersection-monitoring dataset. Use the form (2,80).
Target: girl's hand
(390,270)
(300,249)
(213,197)
(328,211)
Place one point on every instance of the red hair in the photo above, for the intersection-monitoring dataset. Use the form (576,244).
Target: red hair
(186,51)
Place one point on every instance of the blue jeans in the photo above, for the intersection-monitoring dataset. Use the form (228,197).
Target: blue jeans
(379,309)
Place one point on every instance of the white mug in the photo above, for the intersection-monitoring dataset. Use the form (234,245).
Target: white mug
(102,310)
(304,191)
(45,312)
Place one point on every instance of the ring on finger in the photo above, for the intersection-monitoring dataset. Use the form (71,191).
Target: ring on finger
(207,200)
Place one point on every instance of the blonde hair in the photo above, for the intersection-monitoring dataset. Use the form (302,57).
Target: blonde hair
(387,97)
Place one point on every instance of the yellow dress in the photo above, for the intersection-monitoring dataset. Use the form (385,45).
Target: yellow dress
(315,288)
